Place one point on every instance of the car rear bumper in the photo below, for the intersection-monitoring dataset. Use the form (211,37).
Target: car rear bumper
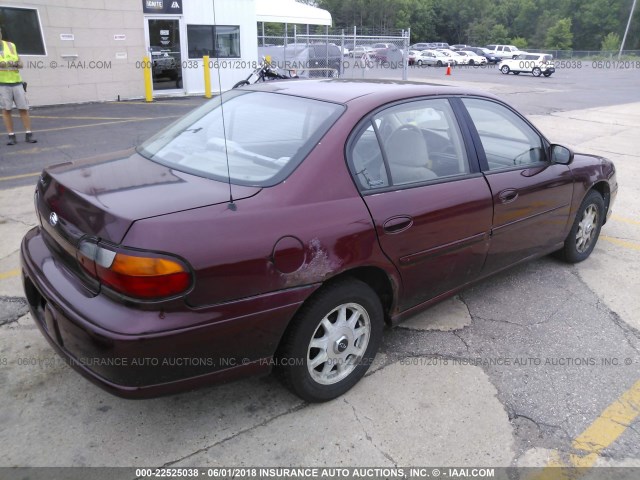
(220,343)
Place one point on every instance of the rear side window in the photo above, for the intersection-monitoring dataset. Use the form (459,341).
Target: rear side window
(409,143)
(261,139)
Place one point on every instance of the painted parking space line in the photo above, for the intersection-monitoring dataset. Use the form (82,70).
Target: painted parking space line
(598,436)
(37,150)
(16,177)
(621,243)
(158,103)
(64,117)
(631,221)
(89,125)
(10,274)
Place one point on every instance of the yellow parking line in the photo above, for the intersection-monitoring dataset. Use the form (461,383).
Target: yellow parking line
(611,423)
(621,243)
(625,220)
(15,177)
(177,104)
(107,123)
(11,273)
(63,117)
(36,150)
(604,430)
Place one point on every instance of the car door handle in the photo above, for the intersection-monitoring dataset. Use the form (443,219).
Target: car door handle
(397,224)
(508,195)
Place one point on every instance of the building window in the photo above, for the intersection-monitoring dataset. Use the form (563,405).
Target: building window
(21,26)
(214,40)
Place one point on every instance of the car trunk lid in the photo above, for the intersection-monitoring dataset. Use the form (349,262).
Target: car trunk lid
(102,197)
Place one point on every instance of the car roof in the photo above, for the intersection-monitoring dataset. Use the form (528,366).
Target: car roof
(346,90)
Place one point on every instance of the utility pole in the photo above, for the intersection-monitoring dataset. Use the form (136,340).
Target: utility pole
(626,30)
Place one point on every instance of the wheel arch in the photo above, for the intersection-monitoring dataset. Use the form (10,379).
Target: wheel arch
(602,187)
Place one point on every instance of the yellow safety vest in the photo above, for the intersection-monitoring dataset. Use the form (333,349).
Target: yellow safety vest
(9,54)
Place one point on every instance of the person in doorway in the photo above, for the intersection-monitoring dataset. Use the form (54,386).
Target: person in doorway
(12,91)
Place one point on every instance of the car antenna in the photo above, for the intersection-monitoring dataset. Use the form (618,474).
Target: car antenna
(232,206)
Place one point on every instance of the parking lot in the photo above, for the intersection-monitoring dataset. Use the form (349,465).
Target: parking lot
(538,366)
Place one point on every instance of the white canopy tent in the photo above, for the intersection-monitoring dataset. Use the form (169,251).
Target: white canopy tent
(290,11)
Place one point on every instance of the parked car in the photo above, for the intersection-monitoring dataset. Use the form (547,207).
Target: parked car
(313,60)
(286,235)
(433,57)
(420,46)
(389,53)
(534,63)
(486,53)
(456,59)
(345,50)
(505,51)
(411,57)
(437,45)
(459,46)
(360,51)
(472,57)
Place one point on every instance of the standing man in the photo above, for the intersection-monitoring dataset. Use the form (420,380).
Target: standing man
(11,90)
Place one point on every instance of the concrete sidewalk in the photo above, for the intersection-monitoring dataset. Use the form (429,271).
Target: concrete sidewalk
(418,406)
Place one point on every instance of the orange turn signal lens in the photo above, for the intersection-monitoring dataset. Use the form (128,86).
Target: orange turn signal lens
(136,274)
(144,267)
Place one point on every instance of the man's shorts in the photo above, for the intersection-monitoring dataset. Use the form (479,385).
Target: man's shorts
(13,93)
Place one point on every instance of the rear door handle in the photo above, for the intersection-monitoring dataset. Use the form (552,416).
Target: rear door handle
(397,224)
(508,195)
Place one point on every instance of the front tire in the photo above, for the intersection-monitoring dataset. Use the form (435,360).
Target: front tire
(332,341)
(547,74)
(536,72)
(585,230)
(505,69)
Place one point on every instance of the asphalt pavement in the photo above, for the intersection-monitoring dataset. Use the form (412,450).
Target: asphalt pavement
(538,366)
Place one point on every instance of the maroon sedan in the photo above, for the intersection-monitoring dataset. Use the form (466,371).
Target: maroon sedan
(281,228)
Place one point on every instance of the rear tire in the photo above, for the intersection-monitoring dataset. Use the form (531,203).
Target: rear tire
(547,74)
(516,73)
(332,341)
(536,72)
(241,83)
(585,230)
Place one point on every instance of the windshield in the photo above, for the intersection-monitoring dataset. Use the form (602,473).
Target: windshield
(267,136)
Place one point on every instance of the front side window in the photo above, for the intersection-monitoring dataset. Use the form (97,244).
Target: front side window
(219,41)
(507,140)
(261,139)
(21,26)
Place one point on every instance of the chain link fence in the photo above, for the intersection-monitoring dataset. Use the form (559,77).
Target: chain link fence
(345,54)
(588,54)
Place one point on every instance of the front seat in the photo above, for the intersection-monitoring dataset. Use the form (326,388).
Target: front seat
(408,156)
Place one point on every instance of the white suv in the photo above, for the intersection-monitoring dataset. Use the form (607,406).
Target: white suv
(505,51)
(534,63)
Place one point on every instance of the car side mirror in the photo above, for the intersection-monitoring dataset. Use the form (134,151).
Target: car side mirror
(561,155)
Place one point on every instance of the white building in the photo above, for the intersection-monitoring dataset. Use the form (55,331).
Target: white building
(92,50)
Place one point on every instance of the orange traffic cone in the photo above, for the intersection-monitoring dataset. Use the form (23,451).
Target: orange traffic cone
(448,69)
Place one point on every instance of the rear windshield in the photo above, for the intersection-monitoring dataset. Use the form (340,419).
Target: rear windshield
(267,136)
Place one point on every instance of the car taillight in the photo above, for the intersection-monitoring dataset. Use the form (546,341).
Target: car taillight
(137,274)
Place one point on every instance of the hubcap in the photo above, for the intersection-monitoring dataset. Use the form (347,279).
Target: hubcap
(587,229)
(339,343)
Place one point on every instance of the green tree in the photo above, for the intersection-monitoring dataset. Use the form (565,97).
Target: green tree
(559,36)
(499,34)
(519,42)
(610,42)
